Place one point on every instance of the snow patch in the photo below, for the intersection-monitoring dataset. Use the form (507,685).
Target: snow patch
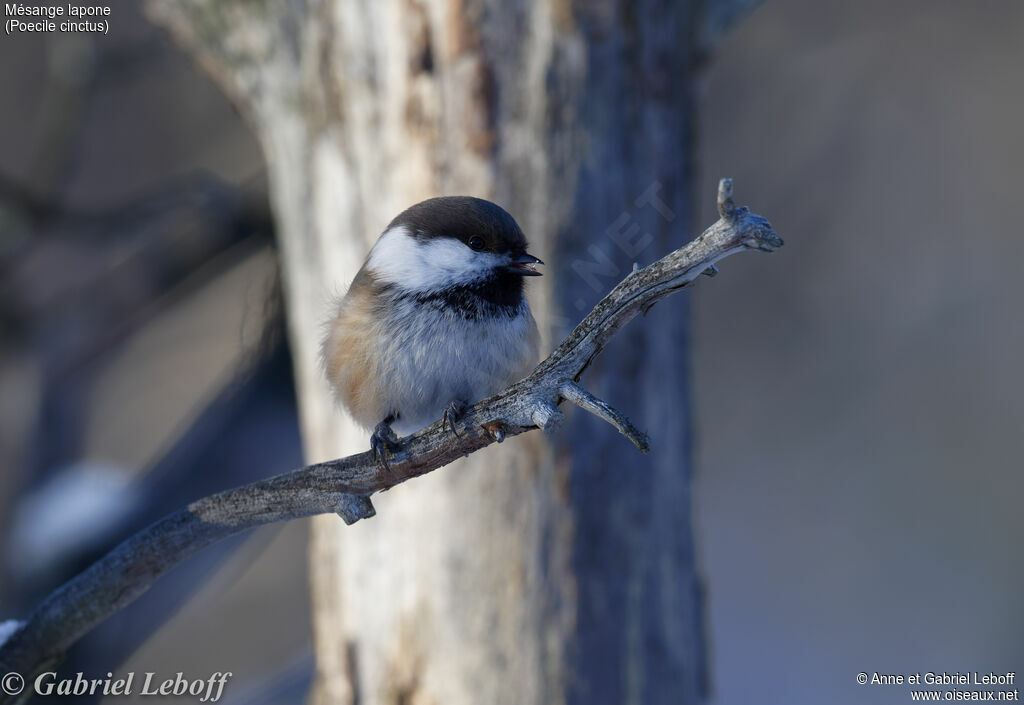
(7,628)
(67,514)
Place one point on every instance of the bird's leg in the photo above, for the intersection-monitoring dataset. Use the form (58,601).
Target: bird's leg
(383,441)
(453,412)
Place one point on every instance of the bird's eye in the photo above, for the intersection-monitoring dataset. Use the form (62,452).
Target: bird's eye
(476,243)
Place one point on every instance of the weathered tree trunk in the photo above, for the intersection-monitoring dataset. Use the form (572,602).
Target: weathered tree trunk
(544,570)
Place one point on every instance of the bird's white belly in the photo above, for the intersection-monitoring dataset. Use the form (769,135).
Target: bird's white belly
(431,358)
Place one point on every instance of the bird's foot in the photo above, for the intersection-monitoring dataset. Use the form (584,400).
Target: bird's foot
(383,442)
(453,412)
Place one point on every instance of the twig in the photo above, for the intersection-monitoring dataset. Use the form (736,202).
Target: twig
(570,391)
(345,485)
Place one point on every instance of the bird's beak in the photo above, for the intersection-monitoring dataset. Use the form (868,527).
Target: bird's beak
(523,265)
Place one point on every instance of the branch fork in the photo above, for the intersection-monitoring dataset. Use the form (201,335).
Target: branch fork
(344,486)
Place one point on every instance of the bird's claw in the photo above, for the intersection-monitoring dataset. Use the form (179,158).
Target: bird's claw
(383,442)
(452,413)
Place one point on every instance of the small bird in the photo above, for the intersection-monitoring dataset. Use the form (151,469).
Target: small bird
(434,320)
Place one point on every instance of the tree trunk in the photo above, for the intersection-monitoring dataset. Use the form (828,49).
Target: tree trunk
(544,570)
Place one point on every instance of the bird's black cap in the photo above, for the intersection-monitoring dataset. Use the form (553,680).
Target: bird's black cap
(463,218)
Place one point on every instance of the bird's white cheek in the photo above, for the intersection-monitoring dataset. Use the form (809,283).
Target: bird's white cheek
(427,265)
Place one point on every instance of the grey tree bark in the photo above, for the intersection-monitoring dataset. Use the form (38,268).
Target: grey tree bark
(543,570)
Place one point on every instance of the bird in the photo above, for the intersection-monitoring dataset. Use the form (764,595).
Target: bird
(434,320)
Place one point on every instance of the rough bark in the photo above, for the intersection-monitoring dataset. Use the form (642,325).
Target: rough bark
(552,576)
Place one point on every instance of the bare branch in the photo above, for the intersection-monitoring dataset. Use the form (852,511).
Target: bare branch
(726,206)
(345,485)
(579,396)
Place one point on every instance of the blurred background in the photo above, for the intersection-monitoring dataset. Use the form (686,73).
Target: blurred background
(858,406)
